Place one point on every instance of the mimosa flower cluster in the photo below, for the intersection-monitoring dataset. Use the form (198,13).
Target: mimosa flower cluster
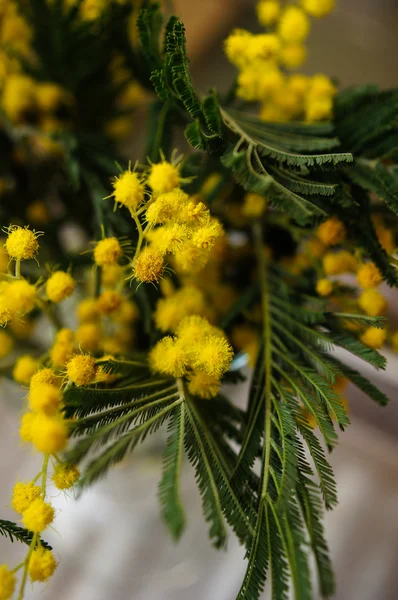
(265,62)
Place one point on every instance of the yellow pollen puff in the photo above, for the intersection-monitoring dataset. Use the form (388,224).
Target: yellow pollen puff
(169,356)
(107,251)
(22,296)
(48,434)
(50,96)
(149,266)
(263,46)
(128,190)
(42,564)
(213,355)
(6,310)
(108,302)
(65,476)
(23,495)
(65,336)
(331,232)
(336,263)
(203,385)
(194,328)
(374,337)
(254,205)
(372,303)
(293,56)
(26,427)
(298,84)
(81,369)
(205,237)
(21,243)
(324,287)
(38,515)
(44,376)
(6,344)
(88,336)
(127,312)
(294,25)
(369,276)
(61,353)
(236,46)
(166,207)
(318,8)
(24,369)
(59,286)
(318,109)
(7,583)
(45,398)
(321,86)
(188,300)
(268,12)
(163,177)
(394,341)
(112,275)
(87,310)
(170,238)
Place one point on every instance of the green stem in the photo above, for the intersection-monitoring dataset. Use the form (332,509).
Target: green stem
(265,302)
(18,269)
(26,565)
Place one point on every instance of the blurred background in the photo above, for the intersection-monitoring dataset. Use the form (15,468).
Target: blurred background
(111,542)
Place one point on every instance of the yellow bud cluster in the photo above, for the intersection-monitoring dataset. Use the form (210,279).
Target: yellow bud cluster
(199,351)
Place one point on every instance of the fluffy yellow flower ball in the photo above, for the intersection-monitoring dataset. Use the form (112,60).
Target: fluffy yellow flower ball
(331,232)
(374,337)
(268,12)
(188,300)
(318,109)
(6,344)
(294,25)
(6,310)
(128,190)
(205,237)
(22,296)
(213,355)
(26,427)
(318,8)
(23,495)
(235,46)
(42,564)
(169,356)
(336,263)
(38,515)
(61,353)
(59,286)
(45,398)
(203,385)
(81,369)
(88,336)
(369,276)
(394,341)
(293,56)
(21,243)
(87,310)
(254,205)
(324,287)
(24,369)
(163,177)
(372,303)
(7,583)
(108,302)
(44,376)
(107,251)
(65,476)
(19,96)
(48,434)
(149,266)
